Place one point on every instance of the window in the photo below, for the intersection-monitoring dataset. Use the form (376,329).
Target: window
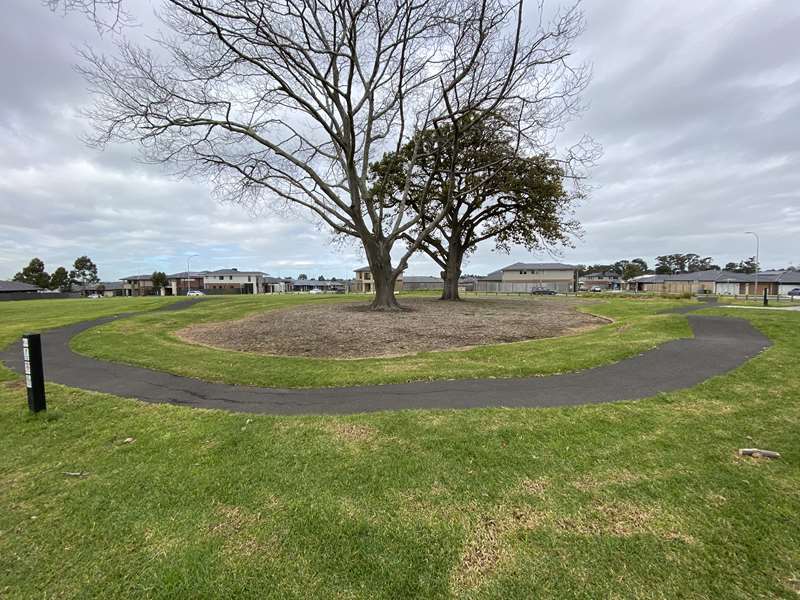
(230,277)
(248,278)
(221,277)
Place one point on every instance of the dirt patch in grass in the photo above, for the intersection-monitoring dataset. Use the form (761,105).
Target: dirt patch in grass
(487,549)
(350,330)
(352,432)
(15,384)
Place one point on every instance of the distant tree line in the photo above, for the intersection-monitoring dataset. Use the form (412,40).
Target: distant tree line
(84,272)
(669,264)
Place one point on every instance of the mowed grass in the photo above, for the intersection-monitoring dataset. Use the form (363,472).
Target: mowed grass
(643,499)
(18,317)
(148,340)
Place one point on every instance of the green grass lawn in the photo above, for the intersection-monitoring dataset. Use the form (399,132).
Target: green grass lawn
(756,301)
(147,340)
(641,499)
(23,316)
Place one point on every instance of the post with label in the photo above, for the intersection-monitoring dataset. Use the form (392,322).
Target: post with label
(34,371)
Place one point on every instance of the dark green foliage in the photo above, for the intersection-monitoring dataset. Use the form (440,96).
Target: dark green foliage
(60,280)
(684,263)
(487,188)
(84,270)
(159,280)
(746,266)
(34,274)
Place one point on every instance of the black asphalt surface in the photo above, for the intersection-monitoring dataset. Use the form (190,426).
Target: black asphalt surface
(719,345)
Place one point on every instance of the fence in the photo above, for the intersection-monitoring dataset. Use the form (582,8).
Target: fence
(520,287)
(38,296)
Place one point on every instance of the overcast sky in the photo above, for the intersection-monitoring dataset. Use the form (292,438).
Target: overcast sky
(696,104)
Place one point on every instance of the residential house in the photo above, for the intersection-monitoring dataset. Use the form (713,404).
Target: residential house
(718,282)
(17,288)
(422,282)
(138,285)
(524,277)
(607,280)
(234,281)
(182,282)
(277,285)
(364,283)
(109,289)
(307,285)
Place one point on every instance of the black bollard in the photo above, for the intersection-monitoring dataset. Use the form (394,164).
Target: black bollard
(766,302)
(34,371)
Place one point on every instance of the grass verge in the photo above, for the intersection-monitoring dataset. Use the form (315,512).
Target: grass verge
(148,341)
(639,499)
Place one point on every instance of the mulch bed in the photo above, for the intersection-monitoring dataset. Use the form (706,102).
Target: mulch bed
(349,330)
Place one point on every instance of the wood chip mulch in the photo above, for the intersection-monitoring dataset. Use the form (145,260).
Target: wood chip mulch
(349,330)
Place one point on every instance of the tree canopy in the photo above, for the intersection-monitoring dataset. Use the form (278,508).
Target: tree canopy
(34,274)
(84,270)
(684,263)
(60,280)
(489,191)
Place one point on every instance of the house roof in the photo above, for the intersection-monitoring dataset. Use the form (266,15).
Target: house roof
(422,279)
(17,286)
(539,267)
(108,285)
(493,276)
(724,276)
(137,277)
(192,275)
(234,272)
(789,277)
(362,269)
(316,283)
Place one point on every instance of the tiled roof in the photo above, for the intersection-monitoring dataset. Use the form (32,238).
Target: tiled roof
(17,286)
(422,279)
(539,267)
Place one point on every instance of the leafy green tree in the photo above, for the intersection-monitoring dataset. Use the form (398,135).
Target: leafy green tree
(159,279)
(746,266)
(488,190)
(321,278)
(60,280)
(84,270)
(302,277)
(684,263)
(34,274)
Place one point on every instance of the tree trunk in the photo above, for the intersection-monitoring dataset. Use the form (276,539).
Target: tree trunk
(452,273)
(380,264)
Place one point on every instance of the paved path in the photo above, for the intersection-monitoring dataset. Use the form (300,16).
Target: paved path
(719,345)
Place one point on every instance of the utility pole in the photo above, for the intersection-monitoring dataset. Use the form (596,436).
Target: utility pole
(758,263)
(188,280)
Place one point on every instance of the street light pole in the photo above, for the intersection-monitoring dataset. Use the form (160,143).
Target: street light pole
(188,281)
(758,244)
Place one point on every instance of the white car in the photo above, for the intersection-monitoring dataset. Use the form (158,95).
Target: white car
(315,291)
(94,296)
(195,293)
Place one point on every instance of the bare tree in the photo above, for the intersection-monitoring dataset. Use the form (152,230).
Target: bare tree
(107,15)
(287,102)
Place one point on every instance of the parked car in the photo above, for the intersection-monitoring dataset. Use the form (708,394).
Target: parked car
(315,291)
(794,292)
(94,296)
(195,293)
(541,291)
(597,288)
